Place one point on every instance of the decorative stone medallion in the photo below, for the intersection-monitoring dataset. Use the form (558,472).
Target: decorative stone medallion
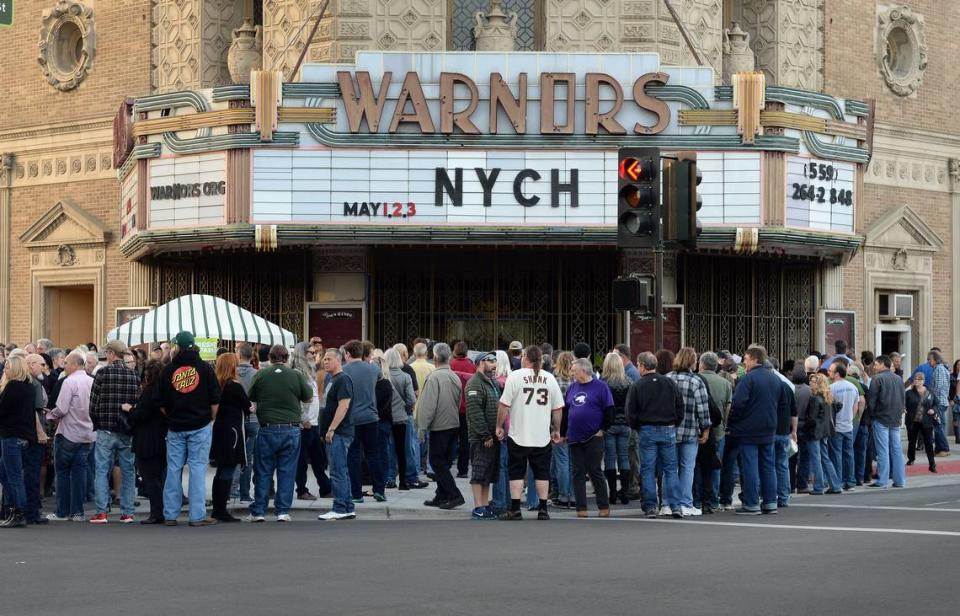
(67,44)
(901,49)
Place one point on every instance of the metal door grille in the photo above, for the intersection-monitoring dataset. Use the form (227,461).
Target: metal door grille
(731,303)
(491,297)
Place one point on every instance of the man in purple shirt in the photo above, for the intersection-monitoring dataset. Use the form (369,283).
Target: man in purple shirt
(74,439)
(589,413)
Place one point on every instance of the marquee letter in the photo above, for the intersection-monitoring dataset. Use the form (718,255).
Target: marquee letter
(518,187)
(363,104)
(655,105)
(412,91)
(548,82)
(459,119)
(442,184)
(607,119)
(572,187)
(502,98)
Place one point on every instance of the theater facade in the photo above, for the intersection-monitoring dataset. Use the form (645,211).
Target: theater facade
(468,195)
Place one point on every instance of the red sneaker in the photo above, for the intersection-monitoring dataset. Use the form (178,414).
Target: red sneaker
(126,519)
(100,518)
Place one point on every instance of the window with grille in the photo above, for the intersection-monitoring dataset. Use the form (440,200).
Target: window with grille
(462,21)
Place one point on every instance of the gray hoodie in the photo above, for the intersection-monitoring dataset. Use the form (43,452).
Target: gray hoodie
(245,374)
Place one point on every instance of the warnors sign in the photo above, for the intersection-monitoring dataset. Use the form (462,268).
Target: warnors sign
(181,191)
(456,113)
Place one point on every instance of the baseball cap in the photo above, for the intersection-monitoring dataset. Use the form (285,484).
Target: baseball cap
(491,356)
(516,345)
(184,340)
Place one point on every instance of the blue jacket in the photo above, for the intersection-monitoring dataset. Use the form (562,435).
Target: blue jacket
(753,411)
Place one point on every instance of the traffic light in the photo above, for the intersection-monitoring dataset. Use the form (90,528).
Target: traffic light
(638,197)
(680,199)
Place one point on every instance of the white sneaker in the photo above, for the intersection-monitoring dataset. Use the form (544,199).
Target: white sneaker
(333,515)
(78,518)
(284,517)
(253,518)
(55,518)
(689,512)
(666,511)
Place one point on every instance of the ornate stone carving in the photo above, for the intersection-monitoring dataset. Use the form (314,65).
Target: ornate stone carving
(191,39)
(246,52)
(787,37)
(495,30)
(578,25)
(413,25)
(737,55)
(66,255)
(901,48)
(67,44)
(899,260)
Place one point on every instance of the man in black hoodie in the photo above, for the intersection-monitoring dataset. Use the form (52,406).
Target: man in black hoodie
(188,396)
(654,408)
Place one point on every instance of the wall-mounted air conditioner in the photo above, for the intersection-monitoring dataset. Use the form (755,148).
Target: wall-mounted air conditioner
(895,306)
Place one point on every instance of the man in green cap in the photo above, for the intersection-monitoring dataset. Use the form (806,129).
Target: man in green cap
(188,396)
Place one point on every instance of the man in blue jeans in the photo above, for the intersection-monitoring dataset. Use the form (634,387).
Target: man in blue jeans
(188,395)
(886,400)
(114,385)
(752,424)
(654,408)
(337,428)
(841,446)
(278,391)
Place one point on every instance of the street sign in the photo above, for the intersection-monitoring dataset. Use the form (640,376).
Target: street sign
(6,12)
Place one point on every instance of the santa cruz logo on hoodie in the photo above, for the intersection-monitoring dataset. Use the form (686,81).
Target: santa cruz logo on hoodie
(185,379)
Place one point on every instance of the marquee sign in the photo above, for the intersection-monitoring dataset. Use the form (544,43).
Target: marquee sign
(406,187)
(188,190)
(820,194)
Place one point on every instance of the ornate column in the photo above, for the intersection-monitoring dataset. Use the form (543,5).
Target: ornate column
(6,194)
(191,39)
(787,37)
(955,268)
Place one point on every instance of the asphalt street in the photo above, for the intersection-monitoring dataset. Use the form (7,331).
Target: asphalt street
(880,552)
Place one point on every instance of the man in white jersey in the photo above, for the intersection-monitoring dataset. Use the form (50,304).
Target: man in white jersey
(533,401)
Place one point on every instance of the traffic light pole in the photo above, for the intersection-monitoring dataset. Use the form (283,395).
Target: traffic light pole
(658,292)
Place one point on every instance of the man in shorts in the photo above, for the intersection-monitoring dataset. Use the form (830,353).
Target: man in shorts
(483,395)
(534,403)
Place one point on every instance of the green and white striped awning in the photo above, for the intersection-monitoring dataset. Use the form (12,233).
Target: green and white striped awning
(207,317)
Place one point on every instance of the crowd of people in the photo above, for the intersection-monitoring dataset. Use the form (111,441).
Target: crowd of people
(528,426)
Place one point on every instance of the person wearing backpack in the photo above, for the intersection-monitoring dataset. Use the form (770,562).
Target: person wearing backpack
(708,463)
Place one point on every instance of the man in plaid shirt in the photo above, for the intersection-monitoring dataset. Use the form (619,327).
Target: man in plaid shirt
(695,427)
(115,384)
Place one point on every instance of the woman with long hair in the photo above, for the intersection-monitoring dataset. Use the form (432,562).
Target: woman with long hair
(150,440)
(313,450)
(695,425)
(921,420)
(818,430)
(617,437)
(501,489)
(227,447)
(561,467)
(18,430)
(403,401)
(392,410)
(503,368)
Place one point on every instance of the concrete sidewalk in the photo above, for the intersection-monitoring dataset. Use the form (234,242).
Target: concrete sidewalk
(409,505)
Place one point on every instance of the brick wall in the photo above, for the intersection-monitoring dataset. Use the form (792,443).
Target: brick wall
(850,65)
(99,198)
